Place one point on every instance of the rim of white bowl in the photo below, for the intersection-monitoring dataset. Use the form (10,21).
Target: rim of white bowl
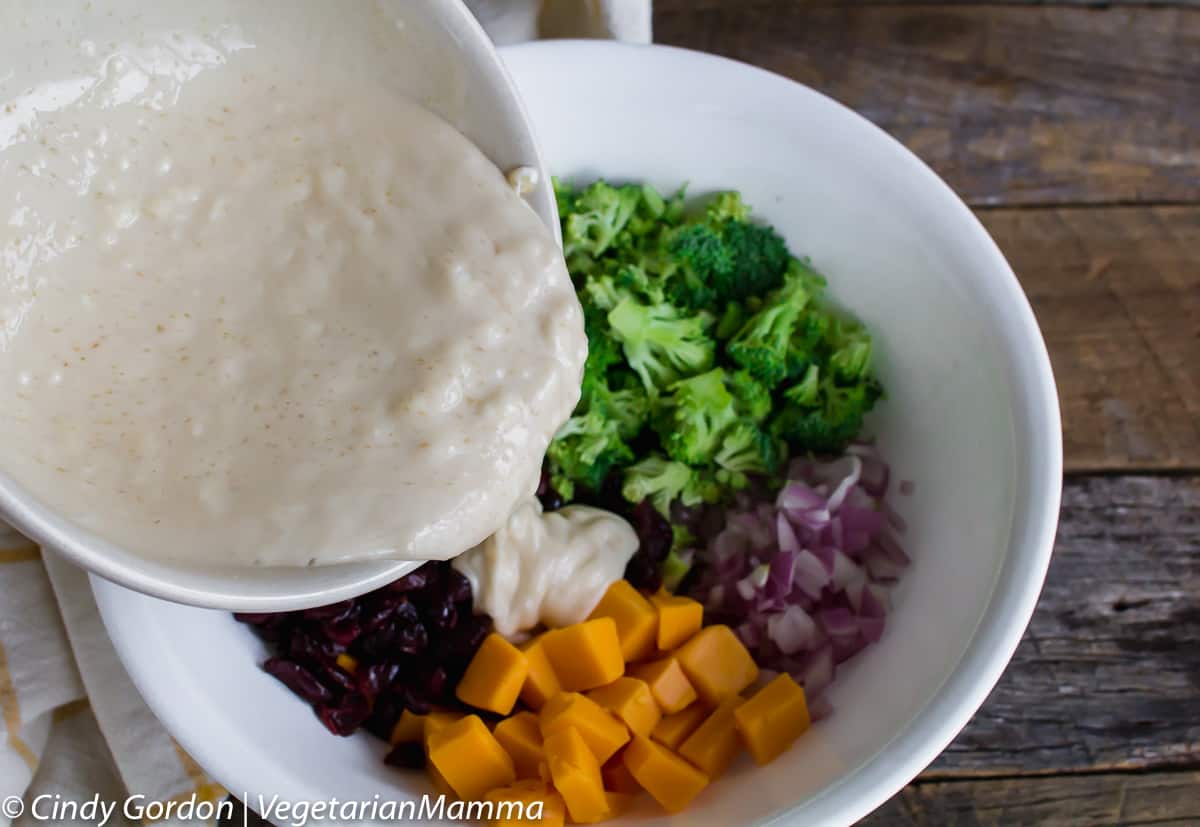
(233,591)
(1016,588)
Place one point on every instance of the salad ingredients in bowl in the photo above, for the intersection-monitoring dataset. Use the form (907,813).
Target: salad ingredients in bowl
(722,414)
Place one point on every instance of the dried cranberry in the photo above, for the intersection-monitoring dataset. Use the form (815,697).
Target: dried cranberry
(298,679)
(457,586)
(375,678)
(256,618)
(333,675)
(413,581)
(415,701)
(412,639)
(435,682)
(653,531)
(442,615)
(384,714)
(342,630)
(408,756)
(345,716)
(309,648)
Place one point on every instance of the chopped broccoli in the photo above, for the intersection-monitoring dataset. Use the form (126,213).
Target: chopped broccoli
(693,418)
(831,421)
(603,352)
(760,258)
(707,263)
(629,407)
(851,344)
(761,346)
(664,481)
(601,292)
(596,215)
(748,449)
(660,344)
(584,450)
(804,392)
(751,397)
(726,206)
(679,559)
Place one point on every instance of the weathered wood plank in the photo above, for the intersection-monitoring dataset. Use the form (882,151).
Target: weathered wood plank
(1011,105)
(1101,800)
(1108,675)
(1117,294)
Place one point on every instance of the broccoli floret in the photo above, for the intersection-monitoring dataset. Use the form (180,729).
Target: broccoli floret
(804,392)
(601,292)
(663,481)
(660,344)
(693,418)
(759,257)
(726,206)
(584,450)
(731,320)
(595,216)
(751,398)
(808,347)
(851,345)
(706,263)
(830,421)
(761,345)
(748,449)
(564,197)
(603,352)
(629,407)
(679,559)
(635,279)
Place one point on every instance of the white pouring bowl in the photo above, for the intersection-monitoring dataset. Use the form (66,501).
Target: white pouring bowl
(57,53)
(971,416)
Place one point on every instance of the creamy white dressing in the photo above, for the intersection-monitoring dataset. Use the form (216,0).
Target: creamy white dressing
(547,568)
(288,318)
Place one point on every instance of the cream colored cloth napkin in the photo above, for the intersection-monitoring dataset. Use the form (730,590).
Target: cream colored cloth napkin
(73,727)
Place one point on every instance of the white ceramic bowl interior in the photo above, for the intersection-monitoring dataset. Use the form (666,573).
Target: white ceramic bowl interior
(55,53)
(971,417)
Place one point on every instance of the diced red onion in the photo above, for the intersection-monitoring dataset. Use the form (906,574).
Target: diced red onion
(792,630)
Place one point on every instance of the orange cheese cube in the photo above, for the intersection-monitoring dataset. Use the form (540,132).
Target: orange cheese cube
(636,619)
(541,684)
(678,619)
(669,686)
(436,720)
(346,662)
(603,733)
(717,664)
(470,758)
(715,743)
(576,775)
(494,676)
(631,701)
(554,811)
(521,738)
(673,729)
(409,728)
(585,655)
(772,719)
(672,781)
(617,777)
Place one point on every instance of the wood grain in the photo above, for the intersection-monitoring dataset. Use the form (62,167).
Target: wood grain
(1117,294)
(1012,105)
(1108,674)
(1079,801)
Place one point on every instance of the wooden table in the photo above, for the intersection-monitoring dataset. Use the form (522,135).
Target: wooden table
(1074,131)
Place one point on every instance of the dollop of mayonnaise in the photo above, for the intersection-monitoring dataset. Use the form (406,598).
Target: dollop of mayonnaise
(547,567)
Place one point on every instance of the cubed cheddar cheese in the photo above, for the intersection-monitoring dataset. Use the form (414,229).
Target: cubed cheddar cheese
(717,664)
(715,743)
(617,777)
(576,775)
(409,728)
(668,684)
(541,684)
(494,677)
(470,758)
(670,780)
(347,662)
(602,732)
(554,811)
(436,720)
(772,719)
(672,730)
(631,701)
(521,738)
(678,619)
(440,785)
(585,655)
(635,617)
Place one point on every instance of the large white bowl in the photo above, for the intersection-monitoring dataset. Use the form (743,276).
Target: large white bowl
(971,417)
(54,53)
